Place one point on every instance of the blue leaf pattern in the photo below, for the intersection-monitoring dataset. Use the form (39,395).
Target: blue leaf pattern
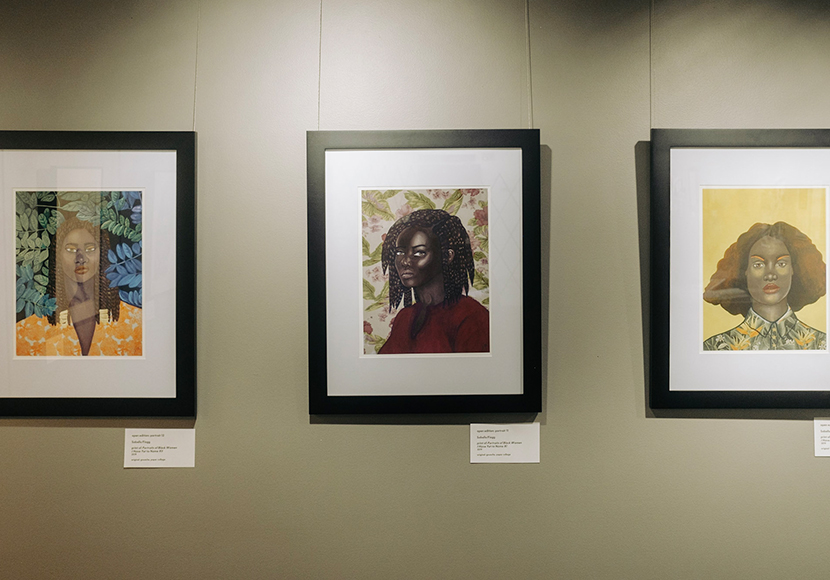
(124,271)
(40,213)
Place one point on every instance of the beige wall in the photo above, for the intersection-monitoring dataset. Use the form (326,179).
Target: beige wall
(618,494)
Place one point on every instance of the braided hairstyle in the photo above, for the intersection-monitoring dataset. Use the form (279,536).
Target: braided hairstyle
(451,233)
(106,297)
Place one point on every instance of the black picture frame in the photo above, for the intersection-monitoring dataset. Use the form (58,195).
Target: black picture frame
(689,162)
(522,147)
(163,165)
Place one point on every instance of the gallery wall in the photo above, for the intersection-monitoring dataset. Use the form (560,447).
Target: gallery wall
(619,492)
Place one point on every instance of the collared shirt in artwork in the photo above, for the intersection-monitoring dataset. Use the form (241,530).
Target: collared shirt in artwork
(757,333)
(36,337)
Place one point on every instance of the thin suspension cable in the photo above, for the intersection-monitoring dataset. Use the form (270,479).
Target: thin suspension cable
(319,64)
(529,68)
(650,65)
(196,60)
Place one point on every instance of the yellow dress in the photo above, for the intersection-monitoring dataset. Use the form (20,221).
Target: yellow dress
(36,337)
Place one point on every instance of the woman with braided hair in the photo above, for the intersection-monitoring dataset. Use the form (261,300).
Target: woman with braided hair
(427,254)
(89,317)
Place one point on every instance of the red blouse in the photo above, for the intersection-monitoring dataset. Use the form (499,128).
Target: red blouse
(460,327)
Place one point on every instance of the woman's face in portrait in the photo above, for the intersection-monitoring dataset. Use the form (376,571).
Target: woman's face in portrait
(769,272)
(417,257)
(80,256)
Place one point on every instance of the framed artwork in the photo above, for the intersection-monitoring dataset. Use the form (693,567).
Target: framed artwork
(739,245)
(423,259)
(97,299)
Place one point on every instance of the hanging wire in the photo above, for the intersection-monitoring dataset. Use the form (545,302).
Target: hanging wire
(319,64)
(196,60)
(529,69)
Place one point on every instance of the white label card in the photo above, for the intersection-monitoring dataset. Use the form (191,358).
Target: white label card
(159,447)
(514,443)
(821,433)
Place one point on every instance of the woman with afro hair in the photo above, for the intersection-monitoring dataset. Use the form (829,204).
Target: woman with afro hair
(427,254)
(766,276)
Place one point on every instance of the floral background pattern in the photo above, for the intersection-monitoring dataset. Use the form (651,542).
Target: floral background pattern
(37,217)
(381,209)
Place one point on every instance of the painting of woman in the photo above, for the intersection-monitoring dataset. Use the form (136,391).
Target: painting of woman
(429,260)
(771,272)
(89,318)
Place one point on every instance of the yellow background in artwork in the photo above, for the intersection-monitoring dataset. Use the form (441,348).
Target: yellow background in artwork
(727,213)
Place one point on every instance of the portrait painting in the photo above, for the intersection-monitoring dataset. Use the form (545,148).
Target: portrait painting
(425,271)
(764,272)
(738,267)
(98,302)
(423,252)
(78,273)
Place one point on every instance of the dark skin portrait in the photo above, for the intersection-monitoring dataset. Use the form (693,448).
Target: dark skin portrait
(418,263)
(782,254)
(430,262)
(769,276)
(770,271)
(80,259)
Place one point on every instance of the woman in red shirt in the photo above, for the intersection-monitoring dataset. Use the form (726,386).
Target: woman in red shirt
(428,253)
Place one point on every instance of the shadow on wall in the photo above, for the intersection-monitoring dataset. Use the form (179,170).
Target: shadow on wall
(792,9)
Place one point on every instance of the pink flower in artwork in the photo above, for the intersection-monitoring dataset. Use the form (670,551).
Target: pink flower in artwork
(383,315)
(405,209)
(481,216)
(367,328)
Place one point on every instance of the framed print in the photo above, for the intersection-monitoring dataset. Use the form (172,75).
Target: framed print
(423,258)
(97,275)
(739,245)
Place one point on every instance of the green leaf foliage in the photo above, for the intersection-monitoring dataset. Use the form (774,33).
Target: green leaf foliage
(88,209)
(375,204)
(27,199)
(418,200)
(374,340)
(453,202)
(375,256)
(73,195)
(368,291)
(31,294)
(481,282)
(376,305)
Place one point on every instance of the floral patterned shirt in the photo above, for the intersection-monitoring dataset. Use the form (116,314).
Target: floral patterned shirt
(757,333)
(36,337)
